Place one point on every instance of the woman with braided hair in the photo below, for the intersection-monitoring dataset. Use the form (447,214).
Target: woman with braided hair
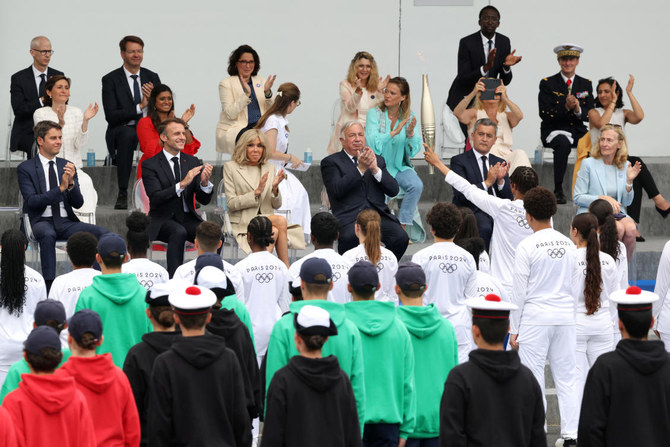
(266,280)
(21,288)
(593,277)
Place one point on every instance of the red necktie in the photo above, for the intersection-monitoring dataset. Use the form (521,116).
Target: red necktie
(569,82)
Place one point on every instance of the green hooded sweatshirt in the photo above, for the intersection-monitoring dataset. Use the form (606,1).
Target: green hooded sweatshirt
(19,368)
(435,353)
(389,364)
(119,300)
(346,346)
(232,303)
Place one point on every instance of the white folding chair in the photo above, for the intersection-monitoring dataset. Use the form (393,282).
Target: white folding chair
(227,228)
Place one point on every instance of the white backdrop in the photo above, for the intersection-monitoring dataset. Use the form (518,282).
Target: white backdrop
(311,43)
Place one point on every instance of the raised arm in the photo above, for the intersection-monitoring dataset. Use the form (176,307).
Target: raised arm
(637,114)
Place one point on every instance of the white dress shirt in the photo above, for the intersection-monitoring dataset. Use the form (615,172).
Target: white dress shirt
(485,44)
(38,80)
(131,84)
(46,168)
(377,176)
(206,189)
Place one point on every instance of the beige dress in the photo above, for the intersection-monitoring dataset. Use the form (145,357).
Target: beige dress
(354,107)
(503,145)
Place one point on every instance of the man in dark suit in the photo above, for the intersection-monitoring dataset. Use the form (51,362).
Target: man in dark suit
(50,189)
(482,54)
(564,100)
(27,94)
(125,95)
(356,179)
(474,166)
(172,180)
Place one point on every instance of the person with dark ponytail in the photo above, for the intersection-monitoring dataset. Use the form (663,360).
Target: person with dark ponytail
(470,230)
(105,387)
(368,231)
(593,277)
(274,125)
(21,288)
(266,281)
(140,359)
(148,273)
(310,400)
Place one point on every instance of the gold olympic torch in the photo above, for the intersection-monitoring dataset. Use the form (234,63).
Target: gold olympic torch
(427,118)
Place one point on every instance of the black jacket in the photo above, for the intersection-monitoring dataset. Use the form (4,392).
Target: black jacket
(492,400)
(25,100)
(138,365)
(197,396)
(551,99)
(627,397)
(471,58)
(226,324)
(311,403)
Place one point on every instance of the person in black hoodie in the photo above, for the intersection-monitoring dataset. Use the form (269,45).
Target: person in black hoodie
(492,399)
(141,357)
(197,388)
(310,401)
(627,392)
(226,324)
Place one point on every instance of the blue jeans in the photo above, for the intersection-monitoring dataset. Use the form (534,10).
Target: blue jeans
(410,182)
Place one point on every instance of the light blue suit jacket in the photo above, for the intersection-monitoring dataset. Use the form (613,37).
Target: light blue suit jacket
(592,182)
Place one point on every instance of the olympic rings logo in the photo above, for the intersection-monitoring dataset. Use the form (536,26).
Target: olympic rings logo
(264,277)
(556,253)
(147,284)
(336,276)
(380,267)
(448,268)
(521,221)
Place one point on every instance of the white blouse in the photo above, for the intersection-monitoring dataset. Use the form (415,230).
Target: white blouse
(74,140)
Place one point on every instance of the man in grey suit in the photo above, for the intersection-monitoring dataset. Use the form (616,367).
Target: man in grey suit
(125,96)
(27,94)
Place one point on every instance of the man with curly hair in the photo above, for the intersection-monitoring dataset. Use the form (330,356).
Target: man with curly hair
(451,273)
(544,325)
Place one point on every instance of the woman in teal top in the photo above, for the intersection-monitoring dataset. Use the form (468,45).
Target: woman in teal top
(390,132)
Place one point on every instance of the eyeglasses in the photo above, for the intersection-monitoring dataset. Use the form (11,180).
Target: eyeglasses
(252,62)
(44,52)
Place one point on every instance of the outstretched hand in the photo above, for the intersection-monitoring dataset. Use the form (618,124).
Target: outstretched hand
(434,160)
(91,111)
(511,59)
(188,114)
(633,171)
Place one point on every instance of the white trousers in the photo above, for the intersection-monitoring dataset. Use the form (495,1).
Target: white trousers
(665,337)
(558,344)
(589,348)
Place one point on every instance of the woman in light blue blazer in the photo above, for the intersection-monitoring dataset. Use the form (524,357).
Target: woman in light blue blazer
(607,175)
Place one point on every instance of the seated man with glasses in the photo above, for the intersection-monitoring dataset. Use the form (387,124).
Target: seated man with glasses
(27,94)
(484,53)
(125,96)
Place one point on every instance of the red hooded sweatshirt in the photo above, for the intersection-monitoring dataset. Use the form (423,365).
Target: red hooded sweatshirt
(49,410)
(7,435)
(109,398)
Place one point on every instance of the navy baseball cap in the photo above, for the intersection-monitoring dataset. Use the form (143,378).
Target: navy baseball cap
(47,310)
(111,245)
(206,259)
(316,271)
(42,337)
(363,276)
(410,276)
(86,320)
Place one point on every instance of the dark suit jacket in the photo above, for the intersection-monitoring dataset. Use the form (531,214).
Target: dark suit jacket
(164,204)
(36,198)
(25,100)
(350,192)
(117,98)
(471,58)
(551,99)
(469,167)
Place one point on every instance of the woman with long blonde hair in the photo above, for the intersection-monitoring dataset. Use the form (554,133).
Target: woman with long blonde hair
(369,233)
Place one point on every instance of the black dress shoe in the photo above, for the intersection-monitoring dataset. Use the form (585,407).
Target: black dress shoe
(560,198)
(121,201)
(639,239)
(663,213)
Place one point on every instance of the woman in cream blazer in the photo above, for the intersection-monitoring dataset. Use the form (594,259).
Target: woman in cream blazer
(252,188)
(237,92)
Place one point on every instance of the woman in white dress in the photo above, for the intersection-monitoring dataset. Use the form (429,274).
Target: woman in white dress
(21,288)
(368,230)
(609,110)
(274,125)
(360,92)
(496,110)
(75,136)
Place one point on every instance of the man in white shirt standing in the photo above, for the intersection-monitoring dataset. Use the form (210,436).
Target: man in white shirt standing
(324,234)
(451,274)
(50,190)
(27,90)
(544,325)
